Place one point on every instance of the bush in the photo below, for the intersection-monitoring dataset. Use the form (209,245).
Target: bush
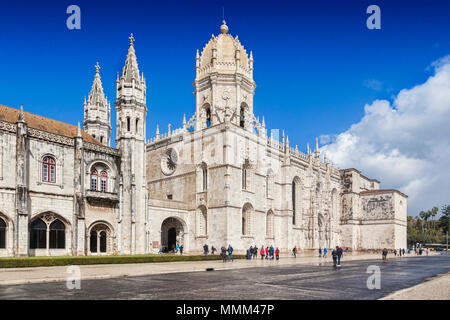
(91,260)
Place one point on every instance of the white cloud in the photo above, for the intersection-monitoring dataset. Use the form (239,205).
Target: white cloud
(404,144)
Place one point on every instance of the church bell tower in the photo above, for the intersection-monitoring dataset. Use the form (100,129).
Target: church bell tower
(224,86)
(131,111)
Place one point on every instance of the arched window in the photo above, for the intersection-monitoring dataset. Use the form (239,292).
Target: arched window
(99,239)
(94,180)
(208,117)
(57,235)
(247,216)
(101,139)
(104,181)
(242,117)
(128,124)
(103,242)
(294,186)
(48,169)
(205,178)
(93,241)
(297,201)
(2,234)
(137,125)
(39,231)
(38,234)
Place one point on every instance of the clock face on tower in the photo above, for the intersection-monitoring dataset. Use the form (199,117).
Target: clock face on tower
(169,161)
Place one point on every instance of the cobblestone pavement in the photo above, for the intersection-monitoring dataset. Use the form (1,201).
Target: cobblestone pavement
(12,276)
(319,281)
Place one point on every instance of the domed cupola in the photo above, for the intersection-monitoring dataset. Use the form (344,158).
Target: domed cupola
(224,85)
(226,54)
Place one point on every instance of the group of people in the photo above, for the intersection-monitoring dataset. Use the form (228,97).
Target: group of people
(400,252)
(325,251)
(224,251)
(267,253)
(175,249)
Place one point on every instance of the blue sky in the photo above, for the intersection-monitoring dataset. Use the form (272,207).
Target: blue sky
(316,63)
(312,58)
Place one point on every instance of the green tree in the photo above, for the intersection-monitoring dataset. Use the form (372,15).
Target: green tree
(445,218)
(433,212)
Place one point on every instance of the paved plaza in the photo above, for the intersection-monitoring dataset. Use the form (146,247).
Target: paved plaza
(314,280)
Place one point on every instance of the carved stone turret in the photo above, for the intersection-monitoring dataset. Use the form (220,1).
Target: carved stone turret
(97,112)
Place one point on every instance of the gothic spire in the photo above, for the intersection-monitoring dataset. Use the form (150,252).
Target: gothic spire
(96,96)
(97,111)
(131,70)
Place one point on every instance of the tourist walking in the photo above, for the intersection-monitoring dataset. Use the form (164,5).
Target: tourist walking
(262,253)
(384,254)
(320,252)
(277,253)
(395,252)
(255,252)
(325,250)
(294,252)
(205,249)
(223,254)
(267,253)
(230,253)
(334,255)
(181,249)
(339,255)
(249,253)
(213,249)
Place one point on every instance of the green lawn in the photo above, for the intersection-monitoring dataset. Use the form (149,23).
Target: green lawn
(90,260)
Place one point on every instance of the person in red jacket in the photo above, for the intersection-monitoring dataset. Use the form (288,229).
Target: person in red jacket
(267,252)
(277,254)
(262,252)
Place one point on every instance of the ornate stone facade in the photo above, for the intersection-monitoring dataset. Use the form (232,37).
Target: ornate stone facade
(220,179)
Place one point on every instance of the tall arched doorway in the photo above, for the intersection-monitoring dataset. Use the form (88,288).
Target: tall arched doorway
(172,234)
(171,238)
(100,239)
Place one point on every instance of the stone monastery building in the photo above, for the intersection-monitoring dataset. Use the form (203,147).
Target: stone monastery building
(221,179)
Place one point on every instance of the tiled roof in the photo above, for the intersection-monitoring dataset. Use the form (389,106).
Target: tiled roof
(382,191)
(41,123)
